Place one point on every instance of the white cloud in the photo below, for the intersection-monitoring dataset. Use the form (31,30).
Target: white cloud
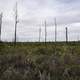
(32,13)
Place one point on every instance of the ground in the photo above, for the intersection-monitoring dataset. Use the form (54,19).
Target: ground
(40,61)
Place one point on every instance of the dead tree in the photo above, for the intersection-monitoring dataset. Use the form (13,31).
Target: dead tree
(16,21)
(45,32)
(55,30)
(39,33)
(66,34)
(0,25)
(55,33)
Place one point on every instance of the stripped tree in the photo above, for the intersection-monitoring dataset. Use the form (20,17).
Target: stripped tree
(0,24)
(55,33)
(55,30)
(39,33)
(45,32)
(66,34)
(16,21)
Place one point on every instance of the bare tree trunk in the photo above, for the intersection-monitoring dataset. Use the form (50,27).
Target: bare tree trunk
(66,34)
(0,24)
(55,35)
(45,33)
(40,34)
(16,21)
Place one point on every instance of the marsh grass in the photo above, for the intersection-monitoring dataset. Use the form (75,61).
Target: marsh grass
(37,61)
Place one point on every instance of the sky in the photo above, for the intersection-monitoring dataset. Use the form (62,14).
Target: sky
(32,15)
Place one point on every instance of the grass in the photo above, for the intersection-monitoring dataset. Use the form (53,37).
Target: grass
(37,61)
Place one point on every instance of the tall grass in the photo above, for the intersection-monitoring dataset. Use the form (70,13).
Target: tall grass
(37,61)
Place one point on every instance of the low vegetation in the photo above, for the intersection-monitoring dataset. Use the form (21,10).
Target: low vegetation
(40,61)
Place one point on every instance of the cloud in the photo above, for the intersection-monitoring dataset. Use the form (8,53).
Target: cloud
(34,12)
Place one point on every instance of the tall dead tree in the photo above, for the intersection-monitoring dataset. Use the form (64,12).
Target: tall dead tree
(0,25)
(16,21)
(39,33)
(45,32)
(66,34)
(55,33)
(55,30)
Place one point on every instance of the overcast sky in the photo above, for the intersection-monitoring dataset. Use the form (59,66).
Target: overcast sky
(33,13)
